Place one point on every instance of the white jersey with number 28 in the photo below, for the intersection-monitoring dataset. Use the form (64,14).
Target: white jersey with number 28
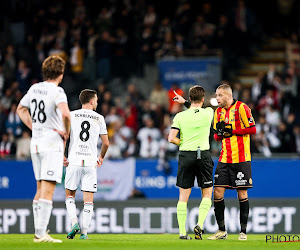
(42,100)
(86,126)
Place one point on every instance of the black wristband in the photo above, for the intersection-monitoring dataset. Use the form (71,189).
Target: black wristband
(187,104)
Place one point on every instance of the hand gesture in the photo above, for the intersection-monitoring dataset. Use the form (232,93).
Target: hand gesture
(66,162)
(99,161)
(64,135)
(178,98)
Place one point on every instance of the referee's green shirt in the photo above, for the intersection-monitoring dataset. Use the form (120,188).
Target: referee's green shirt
(194,125)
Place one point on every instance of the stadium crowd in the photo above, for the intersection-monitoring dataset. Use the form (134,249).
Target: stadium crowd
(116,39)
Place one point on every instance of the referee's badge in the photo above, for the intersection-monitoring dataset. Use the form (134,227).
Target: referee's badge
(250,181)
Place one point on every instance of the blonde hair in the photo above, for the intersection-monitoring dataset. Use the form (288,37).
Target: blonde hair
(226,88)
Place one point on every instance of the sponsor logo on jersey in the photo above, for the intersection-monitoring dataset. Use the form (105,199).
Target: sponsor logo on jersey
(240,182)
(240,175)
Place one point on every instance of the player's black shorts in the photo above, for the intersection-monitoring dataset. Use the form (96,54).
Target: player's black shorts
(190,167)
(233,175)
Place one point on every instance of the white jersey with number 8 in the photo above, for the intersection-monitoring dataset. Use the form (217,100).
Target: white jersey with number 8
(42,100)
(86,126)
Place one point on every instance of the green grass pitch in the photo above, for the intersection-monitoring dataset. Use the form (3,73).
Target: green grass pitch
(142,242)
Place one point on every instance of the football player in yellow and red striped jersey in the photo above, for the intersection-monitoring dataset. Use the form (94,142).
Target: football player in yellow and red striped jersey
(233,124)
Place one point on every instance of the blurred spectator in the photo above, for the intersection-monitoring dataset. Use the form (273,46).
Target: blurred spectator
(267,100)
(56,50)
(159,96)
(167,47)
(122,135)
(103,48)
(256,88)
(76,58)
(285,139)
(146,111)
(114,151)
(104,20)
(237,91)
(112,116)
(131,150)
(148,137)
(293,48)
(150,17)
(262,144)
(268,78)
(10,63)
(23,146)
(6,99)
(13,123)
(246,96)
(7,148)
(146,49)
(131,117)
(272,116)
(164,27)
(23,76)
(134,95)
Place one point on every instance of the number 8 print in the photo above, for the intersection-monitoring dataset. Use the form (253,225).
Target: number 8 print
(85,130)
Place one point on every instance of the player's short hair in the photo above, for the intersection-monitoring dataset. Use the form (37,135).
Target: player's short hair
(196,93)
(226,88)
(86,95)
(53,67)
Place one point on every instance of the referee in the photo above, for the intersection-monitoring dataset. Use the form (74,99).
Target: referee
(194,158)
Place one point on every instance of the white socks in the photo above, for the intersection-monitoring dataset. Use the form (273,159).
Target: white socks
(43,216)
(87,213)
(35,208)
(87,216)
(71,208)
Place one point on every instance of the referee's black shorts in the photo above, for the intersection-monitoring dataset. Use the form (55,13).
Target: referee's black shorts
(190,167)
(233,175)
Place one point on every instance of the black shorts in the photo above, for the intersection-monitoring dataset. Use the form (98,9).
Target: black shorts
(190,167)
(233,175)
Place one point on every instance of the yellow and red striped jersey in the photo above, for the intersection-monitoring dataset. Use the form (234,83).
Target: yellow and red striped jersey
(236,148)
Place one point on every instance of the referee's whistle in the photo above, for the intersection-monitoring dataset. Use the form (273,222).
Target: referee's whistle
(198,153)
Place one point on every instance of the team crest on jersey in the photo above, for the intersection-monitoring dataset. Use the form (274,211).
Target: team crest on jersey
(226,119)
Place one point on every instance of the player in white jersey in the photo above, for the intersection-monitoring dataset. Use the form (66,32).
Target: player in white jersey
(86,126)
(49,120)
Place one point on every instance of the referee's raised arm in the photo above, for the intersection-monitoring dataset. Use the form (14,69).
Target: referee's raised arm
(180,99)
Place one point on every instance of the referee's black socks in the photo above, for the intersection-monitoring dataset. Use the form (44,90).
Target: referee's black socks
(244,212)
(219,205)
